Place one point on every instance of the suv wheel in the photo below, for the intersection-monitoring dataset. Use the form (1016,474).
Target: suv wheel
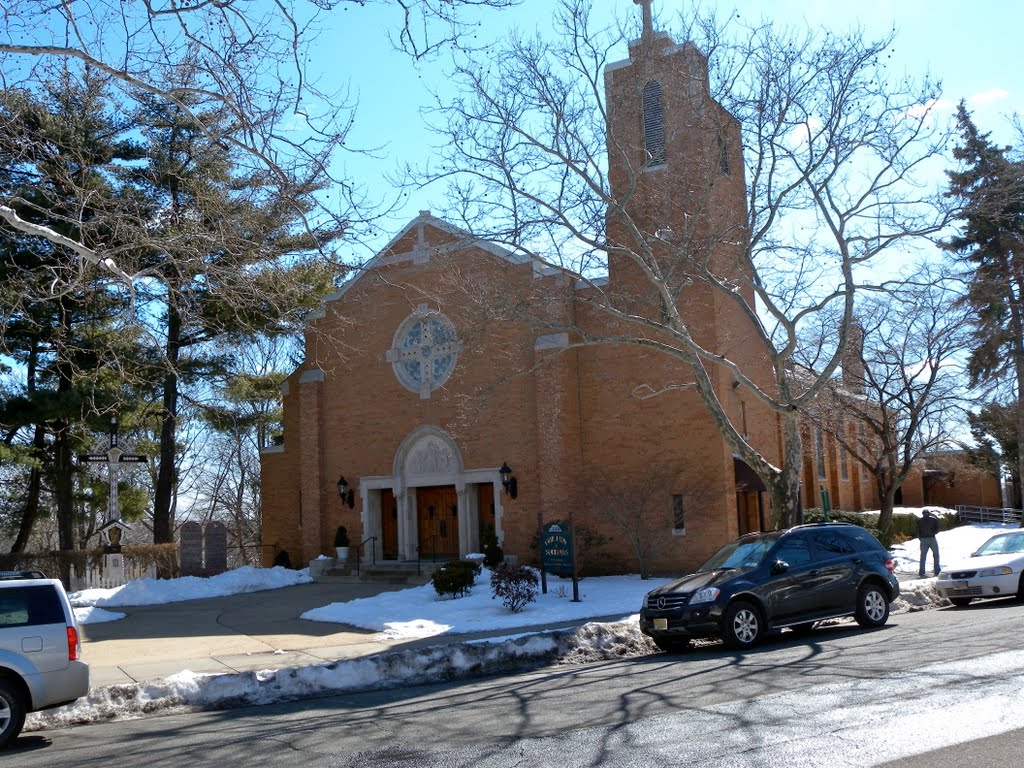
(741,625)
(12,712)
(671,646)
(872,606)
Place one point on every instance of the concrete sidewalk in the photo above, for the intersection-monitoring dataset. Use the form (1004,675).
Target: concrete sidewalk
(246,632)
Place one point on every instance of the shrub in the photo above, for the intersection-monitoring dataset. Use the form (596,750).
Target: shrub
(516,586)
(815,515)
(471,565)
(493,553)
(283,559)
(341,536)
(454,579)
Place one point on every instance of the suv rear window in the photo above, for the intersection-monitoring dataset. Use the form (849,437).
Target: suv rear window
(30,606)
(832,543)
(864,541)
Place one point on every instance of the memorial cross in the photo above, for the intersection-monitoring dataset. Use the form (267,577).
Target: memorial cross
(113,458)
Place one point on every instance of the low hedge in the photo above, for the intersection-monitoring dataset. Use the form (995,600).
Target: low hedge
(455,579)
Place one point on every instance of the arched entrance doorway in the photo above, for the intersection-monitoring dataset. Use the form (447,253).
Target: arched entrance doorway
(431,506)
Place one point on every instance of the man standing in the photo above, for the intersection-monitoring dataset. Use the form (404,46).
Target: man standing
(927,528)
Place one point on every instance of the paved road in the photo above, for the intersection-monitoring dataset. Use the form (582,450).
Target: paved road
(946,680)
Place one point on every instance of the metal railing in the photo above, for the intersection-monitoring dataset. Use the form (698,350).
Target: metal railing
(373,549)
(966,513)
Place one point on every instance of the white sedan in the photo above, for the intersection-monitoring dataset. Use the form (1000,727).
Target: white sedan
(995,570)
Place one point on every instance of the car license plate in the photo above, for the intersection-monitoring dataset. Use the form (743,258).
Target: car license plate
(959,585)
(661,623)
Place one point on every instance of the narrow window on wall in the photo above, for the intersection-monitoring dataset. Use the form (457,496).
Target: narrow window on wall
(723,155)
(819,452)
(743,415)
(844,464)
(678,518)
(654,125)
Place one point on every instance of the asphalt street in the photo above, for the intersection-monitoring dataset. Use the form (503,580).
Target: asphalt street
(945,682)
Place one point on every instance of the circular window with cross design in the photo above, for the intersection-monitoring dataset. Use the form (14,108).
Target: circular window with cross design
(424,351)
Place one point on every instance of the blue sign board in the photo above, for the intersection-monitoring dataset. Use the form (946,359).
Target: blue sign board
(556,549)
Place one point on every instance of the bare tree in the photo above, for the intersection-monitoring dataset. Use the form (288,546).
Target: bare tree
(647,509)
(247,59)
(539,161)
(241,418)
(902,393)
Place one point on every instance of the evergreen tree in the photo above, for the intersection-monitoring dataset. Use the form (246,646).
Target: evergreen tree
(228,254)
(60,148)
(990,188)
(994,429)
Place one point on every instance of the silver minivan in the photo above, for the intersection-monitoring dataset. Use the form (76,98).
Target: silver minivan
(41,663)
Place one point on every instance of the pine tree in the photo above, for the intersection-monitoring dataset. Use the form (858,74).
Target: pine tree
(228,253)
(990,189)
(60,148)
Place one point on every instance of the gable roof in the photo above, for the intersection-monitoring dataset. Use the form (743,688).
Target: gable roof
(421,252)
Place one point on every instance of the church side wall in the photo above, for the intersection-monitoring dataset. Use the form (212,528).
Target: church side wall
(279,487)
(637,446)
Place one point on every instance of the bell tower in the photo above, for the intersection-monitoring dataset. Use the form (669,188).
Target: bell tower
(675,174)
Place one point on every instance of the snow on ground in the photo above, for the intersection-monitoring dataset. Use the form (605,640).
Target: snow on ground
(96,615)
(160,591)
(417,612)
(189,691)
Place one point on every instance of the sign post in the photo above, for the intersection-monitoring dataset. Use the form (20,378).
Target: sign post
(556,554)
(826,504)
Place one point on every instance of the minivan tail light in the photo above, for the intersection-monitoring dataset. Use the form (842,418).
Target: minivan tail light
(72,644)
(890,565)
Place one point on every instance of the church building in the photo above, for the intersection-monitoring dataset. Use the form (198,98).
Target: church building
(445,389)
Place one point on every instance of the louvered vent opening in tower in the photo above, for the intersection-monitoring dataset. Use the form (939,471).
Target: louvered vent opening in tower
(654,126)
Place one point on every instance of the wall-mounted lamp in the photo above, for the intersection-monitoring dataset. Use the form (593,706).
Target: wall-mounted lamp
(346,494)
(508,482)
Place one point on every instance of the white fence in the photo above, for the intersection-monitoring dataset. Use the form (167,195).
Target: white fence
(969,514)
(112,571)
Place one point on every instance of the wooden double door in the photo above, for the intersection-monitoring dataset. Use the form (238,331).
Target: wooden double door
(437,513)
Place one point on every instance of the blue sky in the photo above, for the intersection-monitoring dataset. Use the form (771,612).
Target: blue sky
(971,47)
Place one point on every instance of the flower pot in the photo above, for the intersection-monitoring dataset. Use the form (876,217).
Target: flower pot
(342,554)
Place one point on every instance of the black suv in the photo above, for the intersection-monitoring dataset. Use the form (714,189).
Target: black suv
(766,581)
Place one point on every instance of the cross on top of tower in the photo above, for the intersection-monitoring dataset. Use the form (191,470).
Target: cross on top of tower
(648,17)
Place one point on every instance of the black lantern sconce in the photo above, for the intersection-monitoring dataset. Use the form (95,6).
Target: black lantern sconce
(508,481)
(346,494)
